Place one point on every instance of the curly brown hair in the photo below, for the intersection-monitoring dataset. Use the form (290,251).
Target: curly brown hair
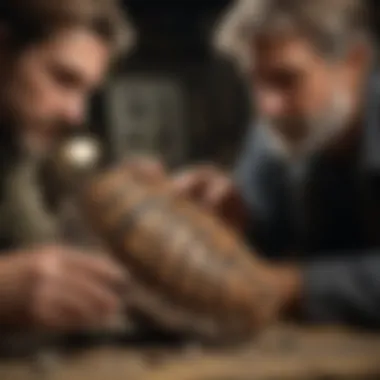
(29,21)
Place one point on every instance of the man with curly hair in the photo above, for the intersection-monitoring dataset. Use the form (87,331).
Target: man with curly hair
(53,54)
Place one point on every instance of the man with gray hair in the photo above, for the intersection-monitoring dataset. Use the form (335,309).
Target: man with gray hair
(306,189)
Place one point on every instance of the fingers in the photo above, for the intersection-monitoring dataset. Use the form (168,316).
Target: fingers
(69,306)
(217,194)
(193,183)
(146,168)
(206,185)
(96,267)
(104,298)
(214,191)
(75,289)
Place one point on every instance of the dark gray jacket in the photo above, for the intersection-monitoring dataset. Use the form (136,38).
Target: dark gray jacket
(326,215)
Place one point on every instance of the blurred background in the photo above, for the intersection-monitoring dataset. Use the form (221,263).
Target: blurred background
(174,94)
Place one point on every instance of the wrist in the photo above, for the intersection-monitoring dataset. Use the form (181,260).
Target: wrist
(289,283)
(15,280)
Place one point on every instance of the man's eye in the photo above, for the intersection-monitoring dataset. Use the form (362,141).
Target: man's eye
(282,79)
(66,79)
(286,79)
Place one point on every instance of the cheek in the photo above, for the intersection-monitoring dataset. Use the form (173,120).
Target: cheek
(314,93)
(33,93)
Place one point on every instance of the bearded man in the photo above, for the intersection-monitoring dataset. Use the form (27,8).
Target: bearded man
(54,53)
(306,189)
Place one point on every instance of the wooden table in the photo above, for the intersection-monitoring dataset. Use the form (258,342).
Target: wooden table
(281,353)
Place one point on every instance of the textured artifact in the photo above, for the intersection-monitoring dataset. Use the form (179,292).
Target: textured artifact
(191,272)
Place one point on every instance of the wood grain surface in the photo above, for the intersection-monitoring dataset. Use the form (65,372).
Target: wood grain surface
(284,352)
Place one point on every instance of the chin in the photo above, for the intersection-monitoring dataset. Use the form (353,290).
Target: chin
(320,138)
(305,149)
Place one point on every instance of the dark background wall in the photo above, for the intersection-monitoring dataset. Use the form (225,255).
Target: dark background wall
(173,95)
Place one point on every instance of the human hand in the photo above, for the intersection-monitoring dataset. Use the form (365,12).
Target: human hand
(213,190)
(59,288)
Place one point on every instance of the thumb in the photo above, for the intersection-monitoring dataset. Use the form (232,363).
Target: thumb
(147,168)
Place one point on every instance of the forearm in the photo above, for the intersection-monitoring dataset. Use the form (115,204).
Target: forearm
(344,289)
(13,283)
(341,290)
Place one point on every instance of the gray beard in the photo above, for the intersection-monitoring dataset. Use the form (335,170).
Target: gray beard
(332,123)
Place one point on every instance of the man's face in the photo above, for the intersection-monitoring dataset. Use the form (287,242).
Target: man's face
(305,99)
(46,88)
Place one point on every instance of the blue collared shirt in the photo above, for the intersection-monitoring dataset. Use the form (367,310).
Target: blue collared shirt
(325,215)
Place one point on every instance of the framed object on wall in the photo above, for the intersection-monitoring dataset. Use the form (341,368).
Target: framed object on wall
(146,114)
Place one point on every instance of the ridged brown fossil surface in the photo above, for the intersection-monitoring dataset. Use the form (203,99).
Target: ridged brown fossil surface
(191,273)
(185,260)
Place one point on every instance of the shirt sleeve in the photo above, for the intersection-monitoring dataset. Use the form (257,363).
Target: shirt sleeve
(257,176)
(343,290)
(250,174)
(340,287)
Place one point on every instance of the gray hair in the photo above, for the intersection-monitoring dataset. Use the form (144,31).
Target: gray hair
(333,26)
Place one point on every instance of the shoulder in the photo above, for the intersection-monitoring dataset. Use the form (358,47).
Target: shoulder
(259,173)
(258,156)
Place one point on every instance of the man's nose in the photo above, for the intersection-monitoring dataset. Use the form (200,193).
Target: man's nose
(272,104)
(75,112)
